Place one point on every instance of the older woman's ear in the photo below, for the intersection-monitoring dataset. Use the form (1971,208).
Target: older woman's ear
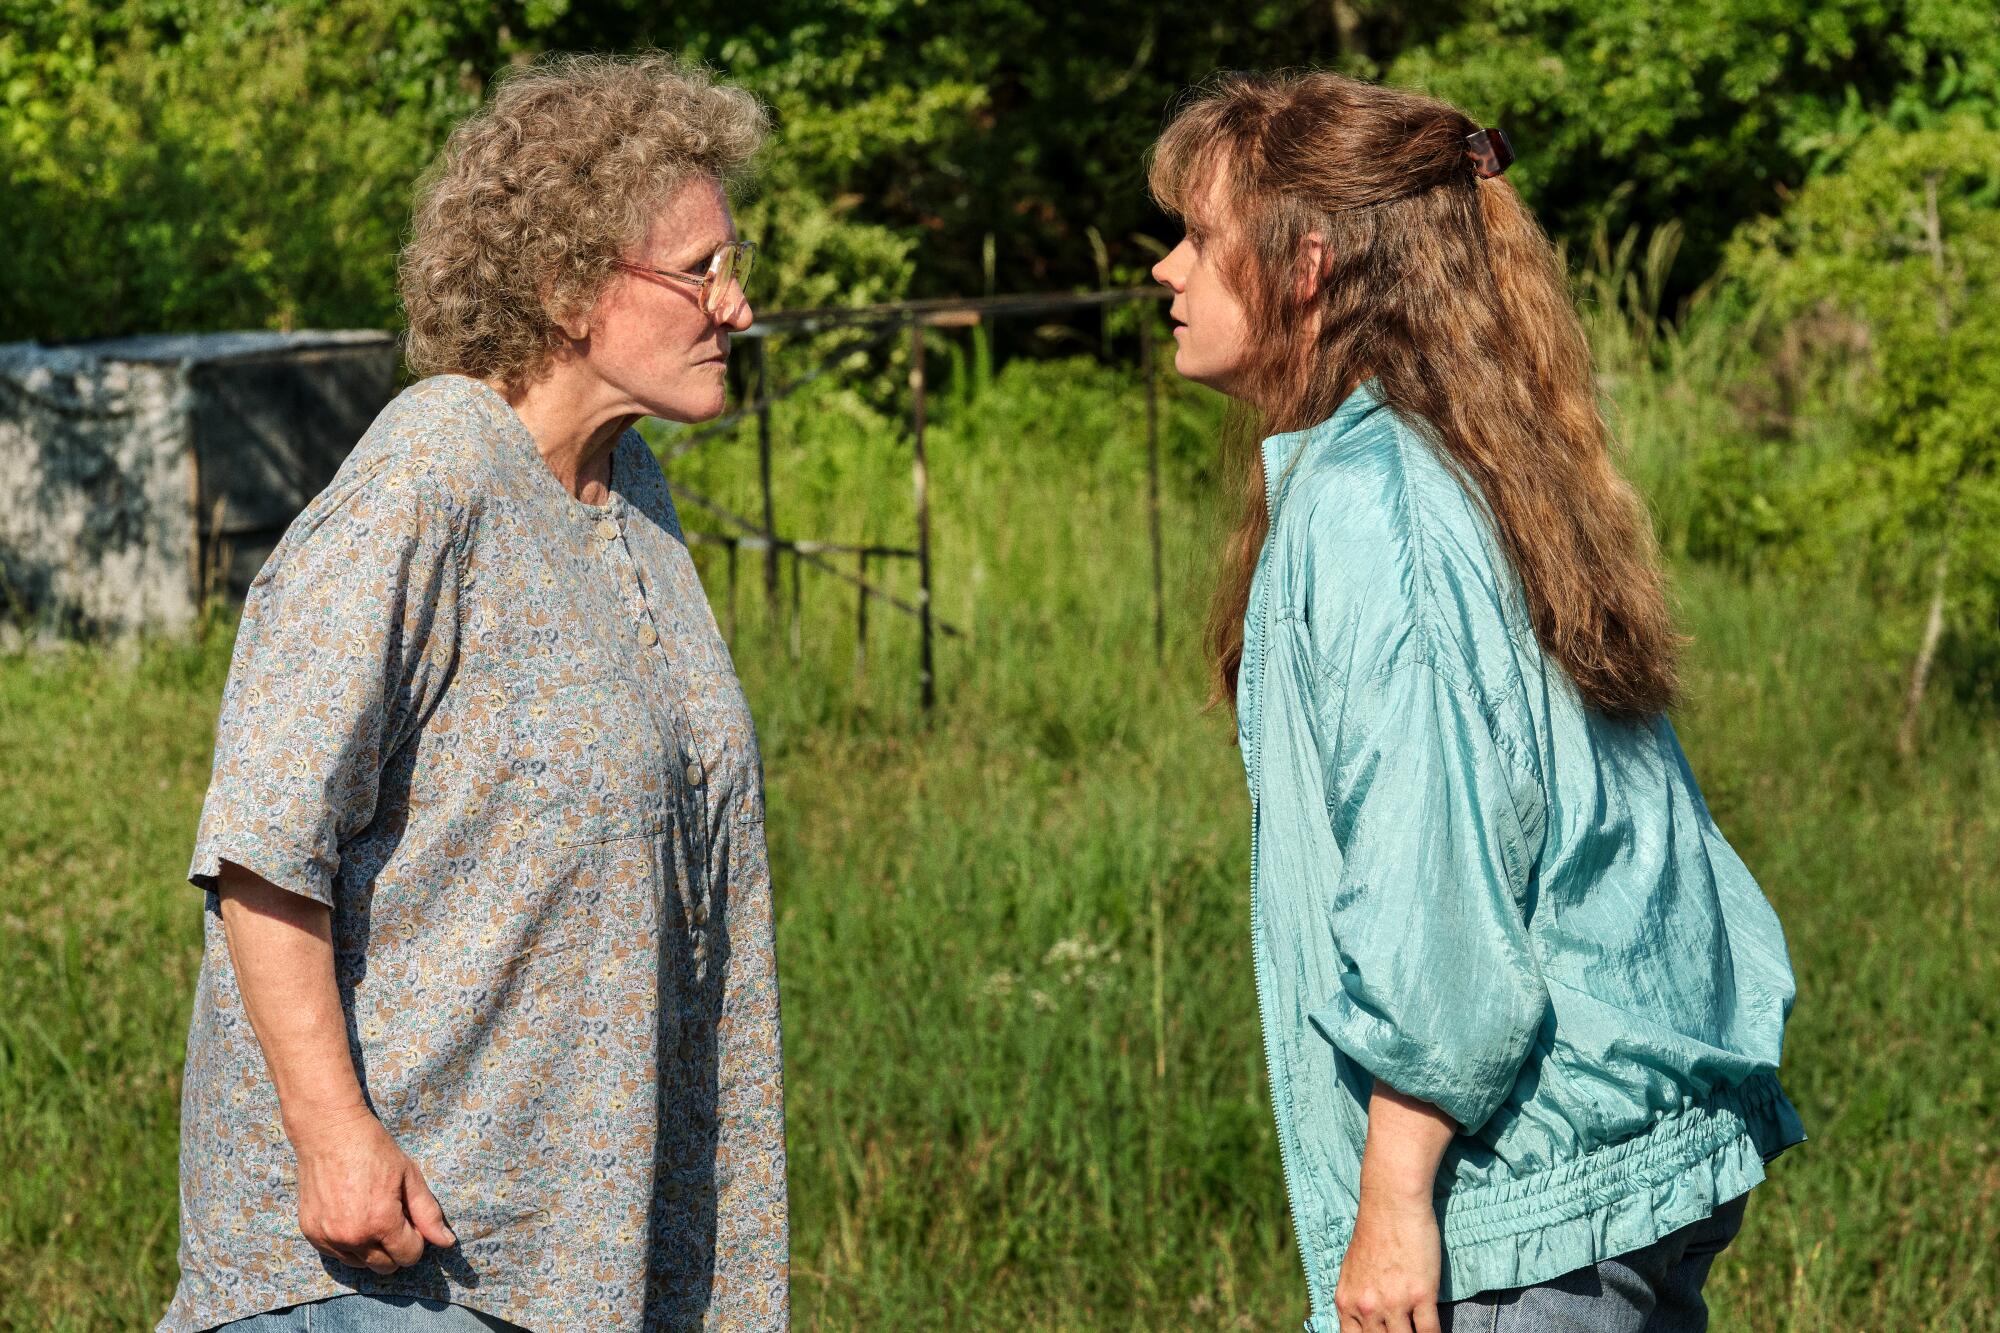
(569,321)
(572,323)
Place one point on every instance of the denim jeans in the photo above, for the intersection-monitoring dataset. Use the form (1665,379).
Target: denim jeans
(1654,1290)
(371,1314)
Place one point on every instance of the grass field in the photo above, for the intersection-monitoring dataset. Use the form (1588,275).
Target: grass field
(1024,1073)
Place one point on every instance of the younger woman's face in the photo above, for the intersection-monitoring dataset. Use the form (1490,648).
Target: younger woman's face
(1211,333)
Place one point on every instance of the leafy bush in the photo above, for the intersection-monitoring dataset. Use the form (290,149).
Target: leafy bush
(1713,109)
(1900,249)
(190,164)
(186,164)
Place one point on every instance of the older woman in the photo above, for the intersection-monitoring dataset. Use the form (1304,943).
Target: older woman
(487,1027)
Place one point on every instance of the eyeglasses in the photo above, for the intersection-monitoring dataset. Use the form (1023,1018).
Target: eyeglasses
(720,285)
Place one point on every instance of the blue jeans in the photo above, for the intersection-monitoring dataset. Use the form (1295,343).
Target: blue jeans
(1654,1290)
(371,1314)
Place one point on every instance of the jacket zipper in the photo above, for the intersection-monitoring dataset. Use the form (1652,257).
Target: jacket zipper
(1271,1072)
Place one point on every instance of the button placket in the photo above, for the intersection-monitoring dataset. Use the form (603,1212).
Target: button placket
(632,603)
(631,592)
(674,690)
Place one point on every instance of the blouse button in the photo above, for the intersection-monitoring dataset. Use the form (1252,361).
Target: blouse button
(648,635)
(607,529)
(694,775)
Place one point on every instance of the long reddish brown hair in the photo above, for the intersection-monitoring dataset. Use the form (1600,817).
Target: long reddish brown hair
(1442,287)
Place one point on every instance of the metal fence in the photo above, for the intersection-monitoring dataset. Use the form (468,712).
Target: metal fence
(878,327)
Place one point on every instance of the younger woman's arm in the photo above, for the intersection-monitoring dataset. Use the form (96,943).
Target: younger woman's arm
(1389,1279)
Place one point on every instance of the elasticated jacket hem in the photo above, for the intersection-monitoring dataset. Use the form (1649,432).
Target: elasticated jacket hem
(1610,1202)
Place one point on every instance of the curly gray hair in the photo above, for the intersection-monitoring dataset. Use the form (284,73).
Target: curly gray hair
(520,222)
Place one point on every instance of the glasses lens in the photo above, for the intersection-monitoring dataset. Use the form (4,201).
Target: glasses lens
(727,273)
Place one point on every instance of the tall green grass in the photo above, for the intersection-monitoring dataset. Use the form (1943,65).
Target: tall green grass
(1024,1073)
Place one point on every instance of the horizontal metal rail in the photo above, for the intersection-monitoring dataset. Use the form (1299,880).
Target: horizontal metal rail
(759,543)
(752,530)
(948,312)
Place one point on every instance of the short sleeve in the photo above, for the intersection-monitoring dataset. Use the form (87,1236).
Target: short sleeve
(347,637)
(1440,995)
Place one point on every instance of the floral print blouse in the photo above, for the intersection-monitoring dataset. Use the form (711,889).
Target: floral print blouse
(496,731)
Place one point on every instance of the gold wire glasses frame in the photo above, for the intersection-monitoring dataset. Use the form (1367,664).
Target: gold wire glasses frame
(728,267)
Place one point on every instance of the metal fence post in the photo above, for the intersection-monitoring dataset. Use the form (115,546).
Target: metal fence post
(883,322)
(920,475)
(861,619)
(797,638)
(764,478)
(1153,481)
(729,549)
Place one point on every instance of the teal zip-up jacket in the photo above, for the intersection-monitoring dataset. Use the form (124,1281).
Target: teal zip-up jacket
(1470,885)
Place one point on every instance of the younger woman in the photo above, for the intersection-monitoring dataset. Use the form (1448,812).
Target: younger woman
(1522,1003)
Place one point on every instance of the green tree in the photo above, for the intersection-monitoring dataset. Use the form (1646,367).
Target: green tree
(188,164)
(1713,110)
(1904,239)
(175,164)
(920,129)
(185,164)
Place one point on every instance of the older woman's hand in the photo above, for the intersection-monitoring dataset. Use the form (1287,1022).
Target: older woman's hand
(361,1199)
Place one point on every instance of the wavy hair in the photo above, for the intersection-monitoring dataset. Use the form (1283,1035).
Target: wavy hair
(1442,287)
(520,222)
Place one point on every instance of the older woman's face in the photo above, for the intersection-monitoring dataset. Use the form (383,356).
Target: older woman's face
(649,337)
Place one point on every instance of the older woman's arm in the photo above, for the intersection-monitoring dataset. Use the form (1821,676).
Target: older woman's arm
(361,1200)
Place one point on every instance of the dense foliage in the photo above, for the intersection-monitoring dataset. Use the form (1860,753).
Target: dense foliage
(1897,256)
(1709,112)
(209,163)
(188,164)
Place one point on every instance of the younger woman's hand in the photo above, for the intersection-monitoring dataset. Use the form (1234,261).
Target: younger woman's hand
(1389,1279)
